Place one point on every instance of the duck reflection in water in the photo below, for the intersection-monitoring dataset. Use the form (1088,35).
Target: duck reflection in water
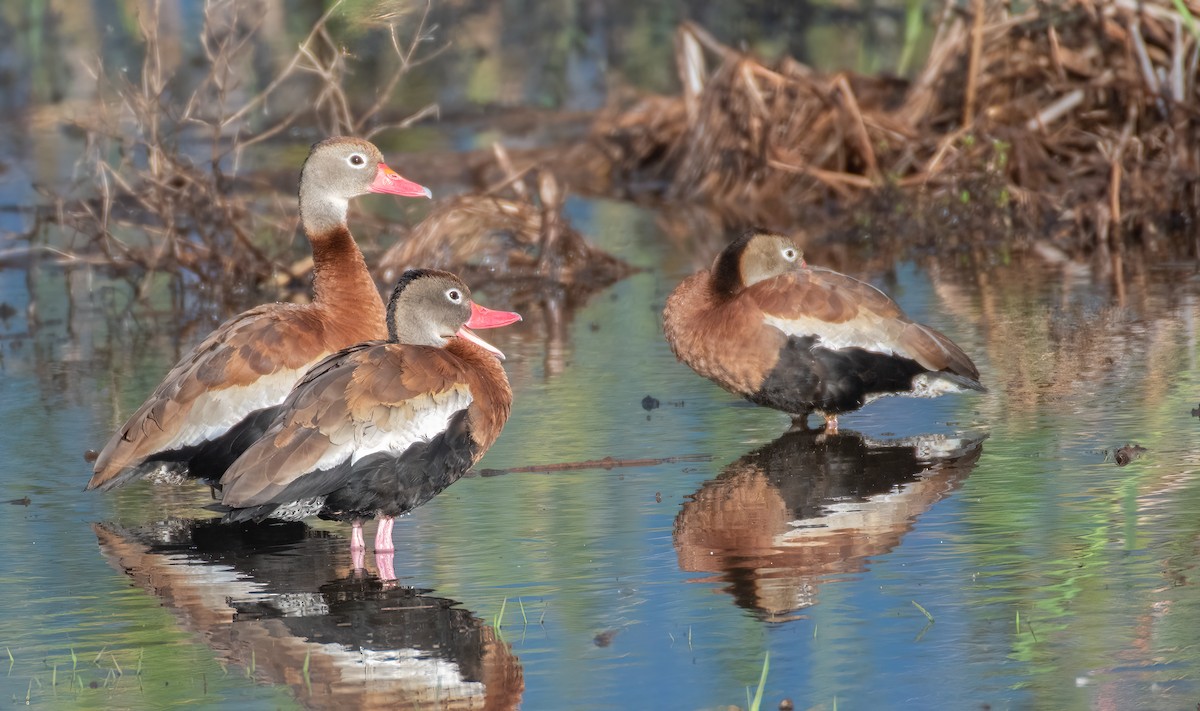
(811,504)
(289,597)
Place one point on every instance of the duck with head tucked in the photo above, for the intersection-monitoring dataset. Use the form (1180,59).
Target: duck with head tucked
(765,325)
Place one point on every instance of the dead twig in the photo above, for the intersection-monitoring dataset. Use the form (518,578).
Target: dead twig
(606,463)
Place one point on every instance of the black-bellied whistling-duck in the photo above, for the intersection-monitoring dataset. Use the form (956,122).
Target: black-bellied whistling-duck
(763,324)
(223,390)
(384,426)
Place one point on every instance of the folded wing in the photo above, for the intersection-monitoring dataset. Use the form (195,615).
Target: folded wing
(843,312)
(367,400)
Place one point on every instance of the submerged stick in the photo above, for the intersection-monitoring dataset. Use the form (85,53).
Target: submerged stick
(606,463)
(1114,184)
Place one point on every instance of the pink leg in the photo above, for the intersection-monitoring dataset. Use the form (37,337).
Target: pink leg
(356,536)
(831,424)
(383,535)
(357,558)
(385,562)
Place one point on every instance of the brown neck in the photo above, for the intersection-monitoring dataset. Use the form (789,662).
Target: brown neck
(489,389)
(343,285)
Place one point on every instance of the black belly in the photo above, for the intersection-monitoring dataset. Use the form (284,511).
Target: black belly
(209,460)
(386,483)
(809,377)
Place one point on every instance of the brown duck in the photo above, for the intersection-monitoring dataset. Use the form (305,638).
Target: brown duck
(382,427)
(764,325)
(220,396)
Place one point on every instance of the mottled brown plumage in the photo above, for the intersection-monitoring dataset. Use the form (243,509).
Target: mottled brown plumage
(763,324)
(381,427)
(251,361)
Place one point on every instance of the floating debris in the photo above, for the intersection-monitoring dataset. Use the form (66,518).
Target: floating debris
(506,234)
(1128,453)
(605,463)
(650,403)
(605,639)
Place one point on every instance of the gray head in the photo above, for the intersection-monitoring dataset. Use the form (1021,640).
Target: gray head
(341,168)
(755,256)
(430,306)
(427,307)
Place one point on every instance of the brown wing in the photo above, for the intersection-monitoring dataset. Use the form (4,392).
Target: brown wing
(371,398)
(248,363)
(845,312)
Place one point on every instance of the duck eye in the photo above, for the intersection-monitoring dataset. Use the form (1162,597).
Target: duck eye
(789,254)
(357,160)
(454,295)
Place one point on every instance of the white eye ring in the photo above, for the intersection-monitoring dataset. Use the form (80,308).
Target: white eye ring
(454,295)
(356,160)
(789,253)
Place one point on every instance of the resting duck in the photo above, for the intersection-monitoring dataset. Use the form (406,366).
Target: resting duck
(764,325)
(384,426)
(225,387)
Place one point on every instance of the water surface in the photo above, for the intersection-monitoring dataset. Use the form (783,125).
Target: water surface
(1052,577)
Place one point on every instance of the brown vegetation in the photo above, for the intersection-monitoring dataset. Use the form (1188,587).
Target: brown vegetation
(157,190)
(1078,116)
(1070,122)
(504,233)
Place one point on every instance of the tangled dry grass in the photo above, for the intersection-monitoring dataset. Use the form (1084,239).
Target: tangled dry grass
(515,230)
(158,189)
(1075,118)
(1073,121)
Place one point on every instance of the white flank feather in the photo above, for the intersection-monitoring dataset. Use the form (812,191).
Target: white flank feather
(416,420)
(215,411)
(836,335)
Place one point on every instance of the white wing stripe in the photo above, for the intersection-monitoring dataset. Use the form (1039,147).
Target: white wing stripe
(407,424)
(215,411)
(850,334)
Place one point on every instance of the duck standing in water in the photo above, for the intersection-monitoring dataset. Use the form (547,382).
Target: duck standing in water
(764,325)
(220,396)
(382,427)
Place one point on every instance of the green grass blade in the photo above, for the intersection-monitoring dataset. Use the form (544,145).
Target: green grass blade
(923,610)
(307,681)
(762,683)
(1189,20)
(500,616)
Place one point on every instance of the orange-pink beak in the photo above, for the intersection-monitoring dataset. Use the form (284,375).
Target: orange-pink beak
(486,318)
(390,182)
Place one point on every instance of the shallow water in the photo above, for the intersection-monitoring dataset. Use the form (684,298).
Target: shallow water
(951,553)
(1054,577)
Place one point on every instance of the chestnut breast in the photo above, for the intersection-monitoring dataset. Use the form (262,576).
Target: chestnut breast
(724,339)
